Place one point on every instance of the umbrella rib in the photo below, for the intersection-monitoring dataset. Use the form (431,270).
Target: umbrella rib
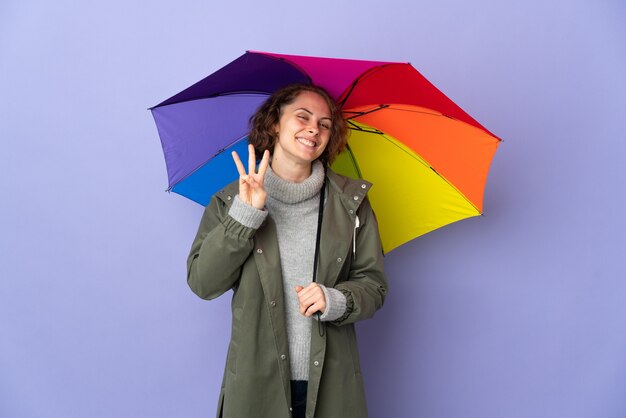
(234,93)
(436,114)
(228,93)
(391,107)
(367,73)
(359,114)
(356,127)
(354,163)
(296,66)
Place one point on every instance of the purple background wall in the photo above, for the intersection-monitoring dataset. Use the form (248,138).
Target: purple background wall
(519,313)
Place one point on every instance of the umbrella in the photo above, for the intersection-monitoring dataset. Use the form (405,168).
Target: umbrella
(428,159)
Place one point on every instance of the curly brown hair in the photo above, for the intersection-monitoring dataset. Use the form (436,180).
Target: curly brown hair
(263,132)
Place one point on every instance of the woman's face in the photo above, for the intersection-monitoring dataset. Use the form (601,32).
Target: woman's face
(303,129)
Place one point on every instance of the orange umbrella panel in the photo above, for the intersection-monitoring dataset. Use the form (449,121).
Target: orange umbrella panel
(461,153)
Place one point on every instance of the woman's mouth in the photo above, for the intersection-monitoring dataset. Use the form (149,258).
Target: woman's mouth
(306,142)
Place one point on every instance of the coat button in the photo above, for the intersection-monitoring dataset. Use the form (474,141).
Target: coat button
(339,260)
(273,303)
(260,251)
(317,363)
(228,197)
(282,356)
(363,186)
(290,409)
(356,197)
(351,211)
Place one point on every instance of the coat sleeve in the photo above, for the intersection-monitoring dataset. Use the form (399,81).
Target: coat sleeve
(366,286)
(218,252)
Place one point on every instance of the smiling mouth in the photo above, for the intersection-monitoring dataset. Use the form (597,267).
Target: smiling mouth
(306,142)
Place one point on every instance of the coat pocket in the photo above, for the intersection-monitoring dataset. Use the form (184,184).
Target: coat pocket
(354,350)
(231,358)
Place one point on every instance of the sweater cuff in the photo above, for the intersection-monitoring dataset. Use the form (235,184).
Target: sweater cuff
(335,304)
(247,215)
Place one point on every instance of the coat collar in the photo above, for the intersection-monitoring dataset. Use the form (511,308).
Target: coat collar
(352,191)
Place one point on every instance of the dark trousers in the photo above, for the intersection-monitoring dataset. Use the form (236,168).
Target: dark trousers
(298,398)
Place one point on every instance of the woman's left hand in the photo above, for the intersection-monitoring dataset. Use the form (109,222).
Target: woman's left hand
(311,299)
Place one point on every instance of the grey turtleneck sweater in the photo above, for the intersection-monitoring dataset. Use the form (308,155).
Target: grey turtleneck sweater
(294,209)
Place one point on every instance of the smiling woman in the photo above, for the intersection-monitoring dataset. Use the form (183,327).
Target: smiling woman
(284,237)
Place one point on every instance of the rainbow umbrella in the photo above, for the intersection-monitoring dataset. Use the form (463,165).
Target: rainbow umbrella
(428,159)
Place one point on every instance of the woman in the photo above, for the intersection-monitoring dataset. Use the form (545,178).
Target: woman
(293,346)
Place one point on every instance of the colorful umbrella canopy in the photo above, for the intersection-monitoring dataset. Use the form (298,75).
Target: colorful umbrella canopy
(428,159)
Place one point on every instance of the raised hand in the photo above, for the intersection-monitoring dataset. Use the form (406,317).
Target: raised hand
(251,189)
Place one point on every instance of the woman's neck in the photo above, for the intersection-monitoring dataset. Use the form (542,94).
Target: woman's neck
(290,171)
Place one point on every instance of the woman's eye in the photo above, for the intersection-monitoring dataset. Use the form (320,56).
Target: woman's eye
(303,117)
(325,125)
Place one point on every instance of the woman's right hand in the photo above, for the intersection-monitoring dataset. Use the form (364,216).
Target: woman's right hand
(251,189)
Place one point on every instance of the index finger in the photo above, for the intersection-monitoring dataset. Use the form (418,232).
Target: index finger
(238,163)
